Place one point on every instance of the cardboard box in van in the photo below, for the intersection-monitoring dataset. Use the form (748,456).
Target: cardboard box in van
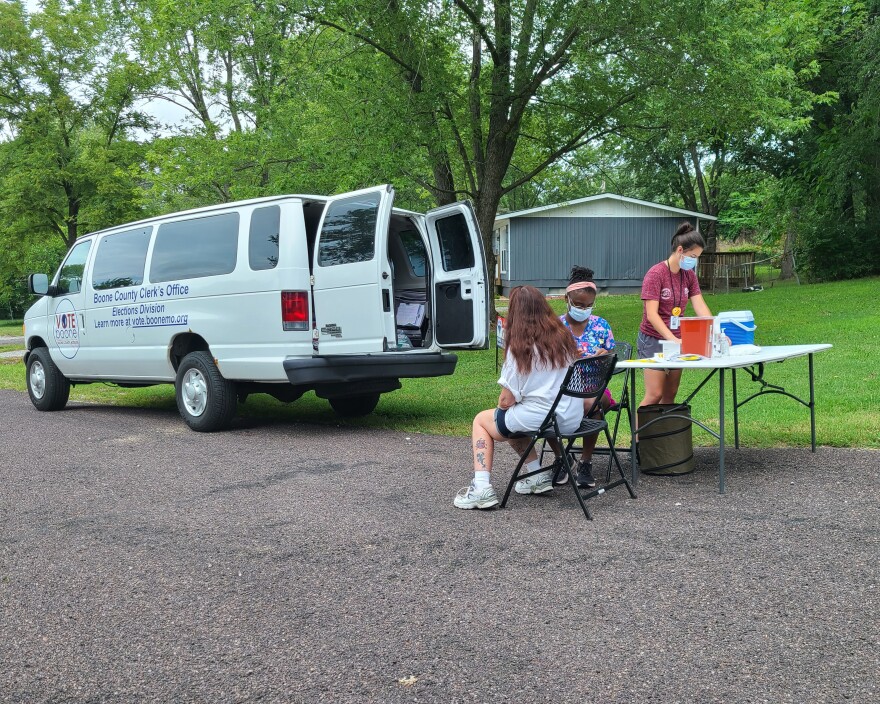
(342,295)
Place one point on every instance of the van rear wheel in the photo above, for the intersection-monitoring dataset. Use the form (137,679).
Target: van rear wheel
(352,406)
(206,400)
(48,388)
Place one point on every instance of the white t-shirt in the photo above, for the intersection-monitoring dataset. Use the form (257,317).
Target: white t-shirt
(534,393)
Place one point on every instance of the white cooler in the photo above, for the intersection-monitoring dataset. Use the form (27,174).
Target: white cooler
(738,325)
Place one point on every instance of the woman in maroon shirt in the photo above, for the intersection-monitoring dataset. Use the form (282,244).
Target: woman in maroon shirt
(666,290)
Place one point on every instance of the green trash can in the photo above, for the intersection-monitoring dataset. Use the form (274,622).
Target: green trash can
(667,447)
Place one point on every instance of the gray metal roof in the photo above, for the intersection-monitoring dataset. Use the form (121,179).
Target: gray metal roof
(601,196)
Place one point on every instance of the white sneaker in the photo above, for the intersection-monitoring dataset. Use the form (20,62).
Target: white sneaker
(469,497)
(538,484)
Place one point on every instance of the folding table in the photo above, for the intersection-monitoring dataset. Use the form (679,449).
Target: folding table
(753,364)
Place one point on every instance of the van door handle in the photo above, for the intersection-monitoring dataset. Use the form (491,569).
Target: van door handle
(386,301)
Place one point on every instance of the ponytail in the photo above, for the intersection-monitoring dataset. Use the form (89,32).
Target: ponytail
(687,237)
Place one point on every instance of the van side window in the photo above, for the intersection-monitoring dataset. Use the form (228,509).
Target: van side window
(415,251)
(71,273)
(120,259)
(190,249)
(348,234)
(263,238)
(455,243)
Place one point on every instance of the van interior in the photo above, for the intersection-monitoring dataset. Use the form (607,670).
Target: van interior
(410,275)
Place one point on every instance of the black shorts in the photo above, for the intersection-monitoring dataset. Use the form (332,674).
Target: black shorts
(503,430)
(648,346)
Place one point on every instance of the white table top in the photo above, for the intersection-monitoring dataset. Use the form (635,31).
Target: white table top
(776,353)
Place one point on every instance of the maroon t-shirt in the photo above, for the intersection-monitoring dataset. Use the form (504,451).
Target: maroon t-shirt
(672,290)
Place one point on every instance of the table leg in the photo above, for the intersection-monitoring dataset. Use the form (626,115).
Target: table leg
(721,431)
(735,410)
(634,425)
(812,407)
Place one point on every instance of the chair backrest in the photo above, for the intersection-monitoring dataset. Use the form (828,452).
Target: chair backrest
(588,377)
(623,351)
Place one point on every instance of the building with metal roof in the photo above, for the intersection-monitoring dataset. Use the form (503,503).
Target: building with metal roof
(619,238)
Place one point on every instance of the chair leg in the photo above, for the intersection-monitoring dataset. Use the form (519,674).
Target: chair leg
(619,467)
(622,406)
(568,461)
(572,479)
(610,485)
(515,476)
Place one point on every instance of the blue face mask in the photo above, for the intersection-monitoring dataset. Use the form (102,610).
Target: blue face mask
(688,263)
(580,314)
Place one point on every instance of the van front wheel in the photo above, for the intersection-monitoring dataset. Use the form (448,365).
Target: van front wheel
(48,388)
(205,399)
(351,406)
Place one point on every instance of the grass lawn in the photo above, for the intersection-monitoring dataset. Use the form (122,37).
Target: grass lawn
(10,328)
(847,376)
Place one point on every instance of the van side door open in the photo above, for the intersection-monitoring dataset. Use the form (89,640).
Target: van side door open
(352,283)
(460,296)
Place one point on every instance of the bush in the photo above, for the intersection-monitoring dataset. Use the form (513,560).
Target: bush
(831,251)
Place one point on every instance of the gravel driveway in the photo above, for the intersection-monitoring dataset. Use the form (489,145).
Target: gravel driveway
(143,562)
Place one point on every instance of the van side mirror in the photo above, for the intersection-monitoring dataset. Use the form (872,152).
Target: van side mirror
(38,284)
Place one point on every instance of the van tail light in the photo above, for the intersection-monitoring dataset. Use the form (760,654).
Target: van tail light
(295,310)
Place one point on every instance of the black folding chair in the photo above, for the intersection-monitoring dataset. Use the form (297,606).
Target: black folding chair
(623,351)
(585,379)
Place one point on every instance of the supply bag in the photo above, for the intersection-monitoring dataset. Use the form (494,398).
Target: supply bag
(667,447)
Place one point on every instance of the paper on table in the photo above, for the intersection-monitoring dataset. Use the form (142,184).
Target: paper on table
(410,314)
(741,350)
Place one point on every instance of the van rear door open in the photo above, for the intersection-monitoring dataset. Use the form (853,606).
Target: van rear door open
(352,275)
(460,299)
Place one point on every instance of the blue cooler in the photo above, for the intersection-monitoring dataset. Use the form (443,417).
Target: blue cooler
(739,326)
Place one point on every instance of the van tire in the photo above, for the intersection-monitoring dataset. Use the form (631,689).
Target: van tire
(48,388)
(206,400)
(353,406)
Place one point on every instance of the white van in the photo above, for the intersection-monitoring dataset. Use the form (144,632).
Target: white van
(344,296)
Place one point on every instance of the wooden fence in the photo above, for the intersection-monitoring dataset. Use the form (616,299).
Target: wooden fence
(726,270)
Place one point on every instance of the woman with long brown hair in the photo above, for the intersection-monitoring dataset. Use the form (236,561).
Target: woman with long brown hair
(539,352)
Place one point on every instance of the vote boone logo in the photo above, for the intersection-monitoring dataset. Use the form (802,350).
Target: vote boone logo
(65,329)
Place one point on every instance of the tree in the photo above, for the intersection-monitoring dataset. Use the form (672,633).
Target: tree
(834,193)
(744,86)
(68,99)
(483,78)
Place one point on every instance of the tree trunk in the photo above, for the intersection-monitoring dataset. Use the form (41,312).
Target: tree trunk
(71,222)
(486,206)
(788,252)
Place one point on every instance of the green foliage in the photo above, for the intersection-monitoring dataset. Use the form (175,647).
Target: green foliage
(43,256)
(68,164)
(764,114)
(832,188)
